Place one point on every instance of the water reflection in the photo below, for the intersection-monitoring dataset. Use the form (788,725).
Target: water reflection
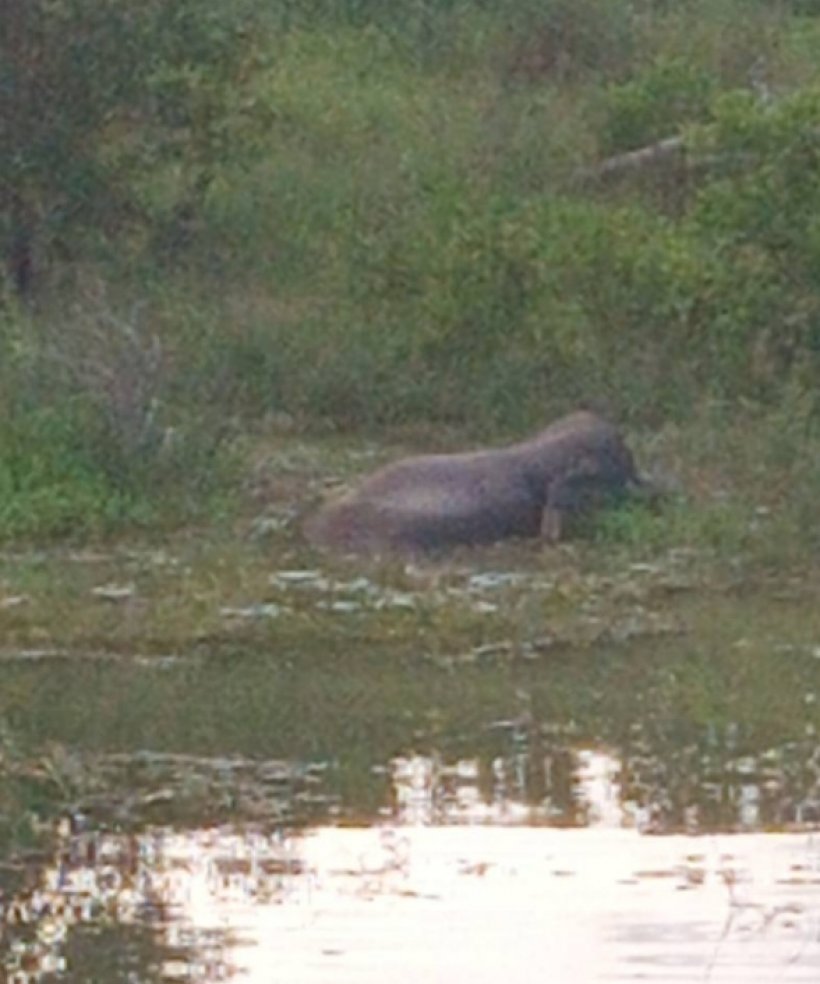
(544,780)
(712,782)
(160,886)
(194,789)
(534,774)
(460,875)
(572,787)
(513,771)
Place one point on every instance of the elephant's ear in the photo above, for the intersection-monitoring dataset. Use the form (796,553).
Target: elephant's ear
(579,486)
(584,466)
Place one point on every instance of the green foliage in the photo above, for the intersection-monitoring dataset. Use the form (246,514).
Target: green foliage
(655,104)
(167,86)
(93,436)
(759,209)
(570,40)
(45,486)
(767,182)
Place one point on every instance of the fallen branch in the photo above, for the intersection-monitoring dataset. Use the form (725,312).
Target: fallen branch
(670,150)
(669,154)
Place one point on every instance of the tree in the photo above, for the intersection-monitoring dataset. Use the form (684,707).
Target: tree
(93,92)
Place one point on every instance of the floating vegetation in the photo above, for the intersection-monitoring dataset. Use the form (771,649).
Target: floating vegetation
(262,610)
(134,788)
(114,592)
(14,601)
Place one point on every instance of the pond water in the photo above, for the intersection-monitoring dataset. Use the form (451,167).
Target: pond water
(447,883)
(494,773)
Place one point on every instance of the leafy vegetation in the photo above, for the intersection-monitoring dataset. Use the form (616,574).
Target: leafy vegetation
(366,215)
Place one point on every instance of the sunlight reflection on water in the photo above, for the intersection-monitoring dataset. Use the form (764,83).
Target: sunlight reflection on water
(452,885)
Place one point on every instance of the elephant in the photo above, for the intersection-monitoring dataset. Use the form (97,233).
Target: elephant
(434,502)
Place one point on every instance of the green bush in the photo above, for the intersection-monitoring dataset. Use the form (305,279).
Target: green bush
(569,40)
(759,209)
(98,92)
(655,104)
(94,433)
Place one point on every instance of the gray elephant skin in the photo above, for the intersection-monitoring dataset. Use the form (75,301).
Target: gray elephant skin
(434,502)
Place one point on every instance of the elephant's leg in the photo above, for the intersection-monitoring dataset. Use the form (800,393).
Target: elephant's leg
(562,497)
(551,524)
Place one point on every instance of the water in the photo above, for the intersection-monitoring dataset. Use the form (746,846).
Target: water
(490,773)
(445,883)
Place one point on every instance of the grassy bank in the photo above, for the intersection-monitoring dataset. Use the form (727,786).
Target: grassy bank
(420,235)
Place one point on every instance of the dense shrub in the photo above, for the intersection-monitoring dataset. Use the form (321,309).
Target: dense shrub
(655,104)
(760,210)
(93,433)
(97,92)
